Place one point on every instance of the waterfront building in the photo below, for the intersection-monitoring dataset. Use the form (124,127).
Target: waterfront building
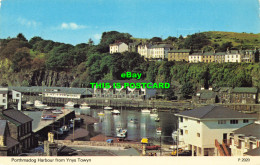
(245,140)
(201,128)
(20,126)
(8,145)
(205,97)
(9,96)
(179,55)
(127,93)
(119,47)
(54,92)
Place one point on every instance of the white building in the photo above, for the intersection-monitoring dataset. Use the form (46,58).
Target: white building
(200,128)
(144,50)
(160,51)
(118,47)
(8,96)
(233,56)
(245,139)
(195,58)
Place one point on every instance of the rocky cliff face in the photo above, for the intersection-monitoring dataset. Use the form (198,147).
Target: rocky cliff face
(37,78)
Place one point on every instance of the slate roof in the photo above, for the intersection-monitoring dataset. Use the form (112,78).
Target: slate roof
(244,90)
(253,152)
(180,51)
(2,127)
(249,130)
(10,142)
(215,112)
(39,89)
(207,94)
(162,46)
(15,116)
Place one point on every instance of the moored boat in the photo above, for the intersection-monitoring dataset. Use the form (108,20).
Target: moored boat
(84,106)
(48,117)
(38,103)
(121,133)
(145,111)
(159,130)
(29,103)
(57,111)
(101,113)
(70,104)
(157,119)
(115,112)
(49,108)
(108,108)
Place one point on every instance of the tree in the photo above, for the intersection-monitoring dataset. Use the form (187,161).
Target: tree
(196,41)
(225,46)
(187,90)
(21,37)
(90,42)
(155,39)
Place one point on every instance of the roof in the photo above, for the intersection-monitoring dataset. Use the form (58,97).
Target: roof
(123,81)
(117,44)
(162,46)
(42,89)
(244,90)
(15,116)
(249,130)
(2,127)
(215,112)
(253,152)
(10,142)
(207,94)
(180,51)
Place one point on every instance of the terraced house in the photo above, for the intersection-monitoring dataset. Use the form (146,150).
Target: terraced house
(179,55)
(20,126)
(244,95)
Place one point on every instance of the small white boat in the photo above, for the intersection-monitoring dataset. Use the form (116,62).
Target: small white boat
(100,113)
(145,111)
(157,119)
(153,114)
(159,130)
(115,112)
(29,103)
(38,103)
(174,134)
(121,133)
(49,108)
(108,108)
(65,128)
(57,111)
(84,106)
(70,104)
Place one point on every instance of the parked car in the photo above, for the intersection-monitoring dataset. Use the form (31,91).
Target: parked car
(185,153)
(151,146)
(174,152)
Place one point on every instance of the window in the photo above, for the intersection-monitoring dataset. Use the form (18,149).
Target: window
(4,100)
(181,131)
(221,121)
(4,95)
(17,95)
(198,121)
(233,121)
(181,119)
(186,131)
(245,121)
(198,134)
(186,119)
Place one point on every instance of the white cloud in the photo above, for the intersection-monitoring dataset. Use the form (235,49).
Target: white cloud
(28,23)
(72,26)
(0,3)
(97,36)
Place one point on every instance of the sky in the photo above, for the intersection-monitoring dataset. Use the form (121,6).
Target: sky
(75,21)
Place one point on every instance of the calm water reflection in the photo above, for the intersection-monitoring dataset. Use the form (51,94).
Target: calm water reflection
(144,125)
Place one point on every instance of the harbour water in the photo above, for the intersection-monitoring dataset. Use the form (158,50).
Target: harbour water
(139,125)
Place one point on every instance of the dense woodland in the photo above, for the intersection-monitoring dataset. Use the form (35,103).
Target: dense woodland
(44,62)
